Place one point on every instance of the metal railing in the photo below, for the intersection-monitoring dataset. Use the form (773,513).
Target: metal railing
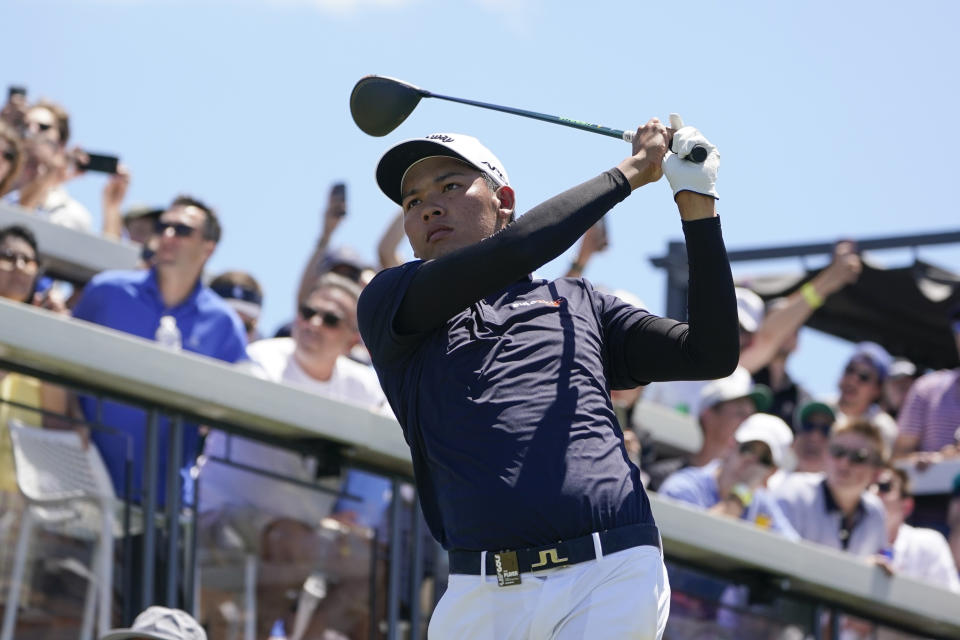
(200,390)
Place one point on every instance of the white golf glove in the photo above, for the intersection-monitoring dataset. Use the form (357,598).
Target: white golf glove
(684,174)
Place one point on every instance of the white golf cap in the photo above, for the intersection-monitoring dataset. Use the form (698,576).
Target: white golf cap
(738,384)
(160,623)
(768,429)
(398,159)
(749,309)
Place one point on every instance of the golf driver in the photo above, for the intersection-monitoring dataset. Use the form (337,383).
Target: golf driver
(380,104)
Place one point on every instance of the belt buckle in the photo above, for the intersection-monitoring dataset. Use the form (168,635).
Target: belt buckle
(508,568)
(549,558)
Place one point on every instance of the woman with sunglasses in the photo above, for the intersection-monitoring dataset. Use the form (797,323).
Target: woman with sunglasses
(48,164)
(19,270)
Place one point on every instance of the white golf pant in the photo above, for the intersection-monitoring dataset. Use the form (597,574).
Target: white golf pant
(622,595)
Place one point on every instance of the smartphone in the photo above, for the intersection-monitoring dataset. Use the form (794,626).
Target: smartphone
(339,190)
(100,163)
(16,90)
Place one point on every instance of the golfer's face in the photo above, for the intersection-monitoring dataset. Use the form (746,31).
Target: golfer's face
(447,205)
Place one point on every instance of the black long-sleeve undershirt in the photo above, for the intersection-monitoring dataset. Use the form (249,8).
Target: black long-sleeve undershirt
(657,349)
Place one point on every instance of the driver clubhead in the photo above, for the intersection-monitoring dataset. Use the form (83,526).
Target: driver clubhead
(379,104)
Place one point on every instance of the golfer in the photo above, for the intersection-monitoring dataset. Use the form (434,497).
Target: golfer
(502,382)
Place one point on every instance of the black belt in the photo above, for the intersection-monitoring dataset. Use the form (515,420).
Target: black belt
(563,553)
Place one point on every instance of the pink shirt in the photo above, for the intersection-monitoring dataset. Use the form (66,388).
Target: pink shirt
(932,409)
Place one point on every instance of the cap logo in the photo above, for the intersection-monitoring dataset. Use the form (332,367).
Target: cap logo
(495,169)
(440,137)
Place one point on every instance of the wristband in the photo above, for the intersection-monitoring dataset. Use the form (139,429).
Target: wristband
(577,266)
(814,299)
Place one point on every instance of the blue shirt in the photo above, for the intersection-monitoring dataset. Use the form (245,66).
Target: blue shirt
(130,301)
(507,411)
(698,486)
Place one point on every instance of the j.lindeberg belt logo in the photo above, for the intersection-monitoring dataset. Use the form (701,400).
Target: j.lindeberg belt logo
(549,558)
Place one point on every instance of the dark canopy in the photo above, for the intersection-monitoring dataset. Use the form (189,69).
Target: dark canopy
(904,309)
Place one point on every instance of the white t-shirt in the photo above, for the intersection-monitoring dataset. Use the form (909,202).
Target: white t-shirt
(60,208)
(222,484)
(925,555)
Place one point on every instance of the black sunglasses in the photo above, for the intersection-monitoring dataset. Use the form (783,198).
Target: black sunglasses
(810,427)
(759,451)
(179,229)
(861,375)
(328,318)
(855,456)
(16,259)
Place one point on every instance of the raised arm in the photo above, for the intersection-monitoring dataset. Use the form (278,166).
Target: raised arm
(332,217)
(787,318)
(707,346)
(445,286)
(391,239)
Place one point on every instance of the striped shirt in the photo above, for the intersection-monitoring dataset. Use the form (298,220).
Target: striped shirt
(931,410)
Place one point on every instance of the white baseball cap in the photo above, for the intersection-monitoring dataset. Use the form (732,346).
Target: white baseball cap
(749,309)
(768,429)
(398,159)
(738,384)
(160,623)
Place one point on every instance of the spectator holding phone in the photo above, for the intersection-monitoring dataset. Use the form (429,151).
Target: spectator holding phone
(114,191)
(734,485)
(49,165)
(333,215)
(721,408)
(15,108)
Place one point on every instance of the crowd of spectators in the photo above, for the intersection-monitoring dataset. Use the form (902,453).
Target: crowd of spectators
(826,470)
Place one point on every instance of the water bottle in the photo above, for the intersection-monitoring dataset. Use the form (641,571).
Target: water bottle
(168,335)
(279,630)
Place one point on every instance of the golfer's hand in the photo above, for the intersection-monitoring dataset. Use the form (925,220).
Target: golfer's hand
(649,148)
(684,174)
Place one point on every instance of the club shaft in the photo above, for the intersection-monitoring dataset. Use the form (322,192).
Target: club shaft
(567,122)
(697,155)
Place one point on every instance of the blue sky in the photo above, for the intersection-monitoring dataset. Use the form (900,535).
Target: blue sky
(833,119)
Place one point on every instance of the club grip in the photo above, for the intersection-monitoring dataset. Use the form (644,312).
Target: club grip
(697,155)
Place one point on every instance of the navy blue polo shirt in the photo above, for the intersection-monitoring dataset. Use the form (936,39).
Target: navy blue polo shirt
(507,412)
(130,301)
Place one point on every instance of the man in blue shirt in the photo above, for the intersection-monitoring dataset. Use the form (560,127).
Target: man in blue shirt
(502,383)
(134,302)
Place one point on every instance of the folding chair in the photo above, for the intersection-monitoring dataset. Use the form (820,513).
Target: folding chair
(67,489)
